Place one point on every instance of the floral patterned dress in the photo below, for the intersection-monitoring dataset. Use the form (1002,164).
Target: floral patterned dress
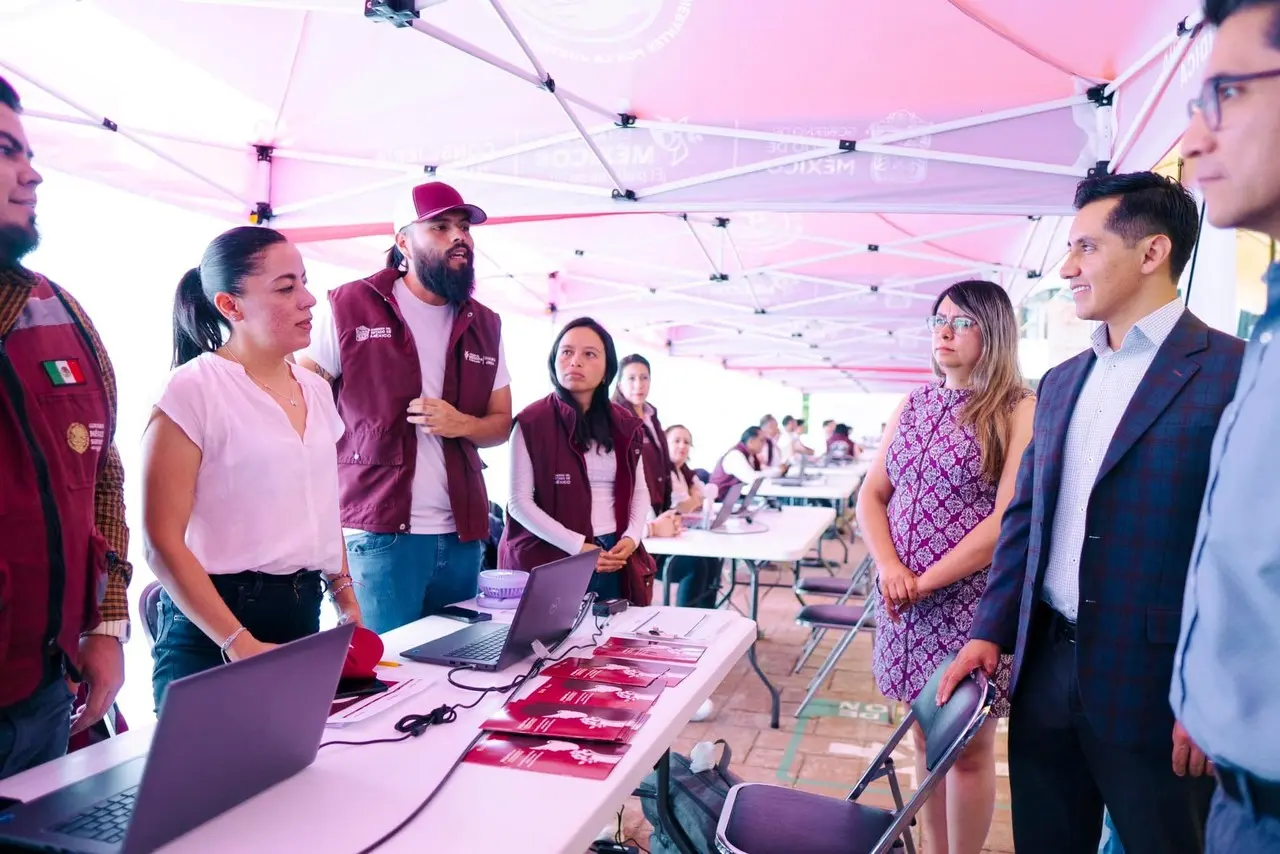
(939,496)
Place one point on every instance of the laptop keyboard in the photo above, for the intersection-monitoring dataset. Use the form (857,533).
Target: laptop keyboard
(488,648)
(105,821)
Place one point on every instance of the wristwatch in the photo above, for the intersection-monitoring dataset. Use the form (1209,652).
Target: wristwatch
(118,629)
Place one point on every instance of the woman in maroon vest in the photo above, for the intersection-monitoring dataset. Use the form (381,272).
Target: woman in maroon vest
(577,477)
(632,392)
(240,467)
(840,445)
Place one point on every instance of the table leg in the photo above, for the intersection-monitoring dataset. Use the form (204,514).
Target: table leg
(775,697)
(666,815)
(666,581)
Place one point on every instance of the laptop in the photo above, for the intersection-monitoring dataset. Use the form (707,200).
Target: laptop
(797,477)
(547,611)
(744,504)
(213,748)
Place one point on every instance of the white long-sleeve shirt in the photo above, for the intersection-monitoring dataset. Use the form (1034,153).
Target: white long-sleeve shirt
(735,464)
(601,476)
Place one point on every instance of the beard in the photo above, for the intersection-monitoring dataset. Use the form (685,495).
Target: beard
(16,242)
(453,286)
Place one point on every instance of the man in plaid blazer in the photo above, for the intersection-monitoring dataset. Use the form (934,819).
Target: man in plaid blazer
(1086,584)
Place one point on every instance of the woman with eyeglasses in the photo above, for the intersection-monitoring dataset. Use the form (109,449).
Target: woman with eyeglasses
(577,474)
(930,511)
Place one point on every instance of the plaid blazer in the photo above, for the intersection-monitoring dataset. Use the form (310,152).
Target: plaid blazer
(1140,528)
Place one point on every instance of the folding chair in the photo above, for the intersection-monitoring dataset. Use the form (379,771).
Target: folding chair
(760,818)
(843,588)
(847,618)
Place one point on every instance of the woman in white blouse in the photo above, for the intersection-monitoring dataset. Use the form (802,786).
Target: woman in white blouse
(698,577)
(240,472)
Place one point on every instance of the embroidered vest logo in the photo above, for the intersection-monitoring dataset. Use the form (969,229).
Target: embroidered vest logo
(364,333)
(563,480)
(476,359)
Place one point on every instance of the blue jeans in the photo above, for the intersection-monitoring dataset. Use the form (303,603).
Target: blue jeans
(1235,829)
(273,608)
(697,580)
(1110,839)
(35,730)
(405,577)
(606,585)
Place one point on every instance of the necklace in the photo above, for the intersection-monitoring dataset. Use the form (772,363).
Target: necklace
(289,397)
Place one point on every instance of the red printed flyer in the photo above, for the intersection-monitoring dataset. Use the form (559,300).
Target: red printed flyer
(629,673)
(557,719)
(574,692)
(592,761)
(635,649)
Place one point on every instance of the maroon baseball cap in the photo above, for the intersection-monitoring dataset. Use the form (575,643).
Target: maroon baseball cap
(432,199)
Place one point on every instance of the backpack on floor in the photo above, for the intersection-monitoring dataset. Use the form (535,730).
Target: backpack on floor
(696,801)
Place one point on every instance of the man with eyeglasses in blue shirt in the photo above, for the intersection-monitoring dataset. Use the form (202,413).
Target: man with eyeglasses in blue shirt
(1225,689)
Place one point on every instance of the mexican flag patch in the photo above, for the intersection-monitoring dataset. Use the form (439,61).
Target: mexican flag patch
(64,372)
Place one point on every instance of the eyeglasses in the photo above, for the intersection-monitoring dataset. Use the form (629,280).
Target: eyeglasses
(959,325)
(1209,104)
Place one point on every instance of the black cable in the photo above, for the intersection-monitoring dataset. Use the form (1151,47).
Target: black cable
(634,841)
(415,725)
(1195,253)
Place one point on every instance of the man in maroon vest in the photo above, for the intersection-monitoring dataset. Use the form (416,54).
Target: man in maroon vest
(421,382)
(64,615)
(742,463)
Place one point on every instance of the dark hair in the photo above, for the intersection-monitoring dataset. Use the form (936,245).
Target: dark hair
(828,421)
(9,96)
(596,424)
(232,257)
(395,258)
(749,434)
(788,420)
(1217,11)
(1149,204)
(842,430)
(634,359)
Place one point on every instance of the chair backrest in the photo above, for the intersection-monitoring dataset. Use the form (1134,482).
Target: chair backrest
(497,524)
(149,610)
(944,725)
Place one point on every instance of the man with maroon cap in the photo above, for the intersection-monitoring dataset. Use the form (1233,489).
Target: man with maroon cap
(421,382)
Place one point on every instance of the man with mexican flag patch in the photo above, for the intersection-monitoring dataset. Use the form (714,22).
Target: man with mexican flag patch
(64,615)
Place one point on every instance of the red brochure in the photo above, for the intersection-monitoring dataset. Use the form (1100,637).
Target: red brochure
(562,721)
(635,649)
(629,673)
(574,692)
(590,760)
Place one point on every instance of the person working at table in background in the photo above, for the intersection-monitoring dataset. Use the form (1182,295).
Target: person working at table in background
(240,472)
(930,512)
(63,580)
(632,393)
(577,474)
(791,442)
(769,454)
(1224,688)
(418,370)
(698,577)
(1087,582)
(839,445)
(742,465)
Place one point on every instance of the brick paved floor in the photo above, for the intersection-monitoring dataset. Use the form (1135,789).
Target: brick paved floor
(828,749)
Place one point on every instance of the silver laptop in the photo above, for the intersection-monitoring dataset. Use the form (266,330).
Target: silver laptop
(546,613)
(214,747)
(743,505)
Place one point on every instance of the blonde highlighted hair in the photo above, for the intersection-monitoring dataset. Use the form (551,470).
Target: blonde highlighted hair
(997,380)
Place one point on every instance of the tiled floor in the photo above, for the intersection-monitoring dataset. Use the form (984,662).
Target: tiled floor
(828,749)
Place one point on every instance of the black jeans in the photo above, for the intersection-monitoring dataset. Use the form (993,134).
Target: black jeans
(273,608)
(697,580)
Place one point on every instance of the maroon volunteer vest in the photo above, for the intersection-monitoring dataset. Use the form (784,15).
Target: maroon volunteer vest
(54,428)
(561,489)
(840,442)
(381,374)
(657,464)
(722,480)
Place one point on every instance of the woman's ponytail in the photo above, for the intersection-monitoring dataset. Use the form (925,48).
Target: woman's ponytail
(197,326)
(233,256)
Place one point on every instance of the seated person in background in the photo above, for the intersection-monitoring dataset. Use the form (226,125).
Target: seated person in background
(584,489)
(240,467)
(742,463)
(698,577)
(770,454)
(632,394)
(792,442)
(840,445)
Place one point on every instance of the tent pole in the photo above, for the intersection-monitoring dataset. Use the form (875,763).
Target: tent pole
(549,84)
(466,47)
(693,232)
(1148,106)
(1187,25)
(109,125)
(739,171)
(971,159)
(737,257)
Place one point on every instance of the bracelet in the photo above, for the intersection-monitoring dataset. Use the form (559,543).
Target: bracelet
(346,583)
(226,644)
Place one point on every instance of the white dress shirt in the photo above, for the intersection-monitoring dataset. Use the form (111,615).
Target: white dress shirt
(1113,379)
(735,464)
(602,474)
